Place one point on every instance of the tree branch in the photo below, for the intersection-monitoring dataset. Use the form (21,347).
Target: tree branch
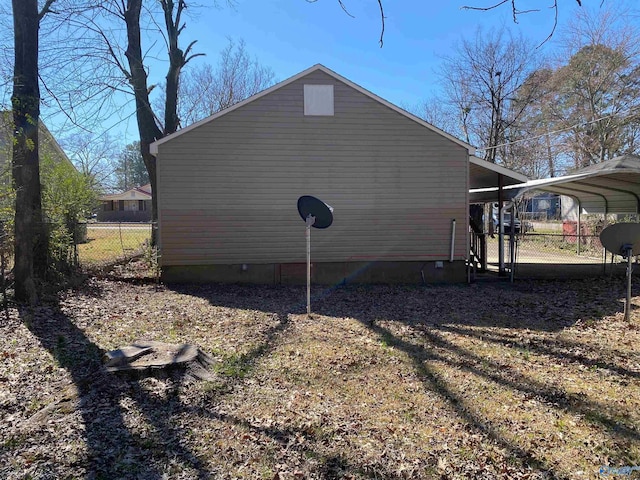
(485,9)
(46,9)
(345,9)
(516,12)
(555,22)
(382,21)
(382,17)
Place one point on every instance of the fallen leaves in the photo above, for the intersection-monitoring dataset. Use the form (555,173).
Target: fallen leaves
(484,381)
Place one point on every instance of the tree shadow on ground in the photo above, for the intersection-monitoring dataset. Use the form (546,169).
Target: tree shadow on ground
(278,299)
(328,466)
(113,451)
(540,306)
(427,320)
(563,349)
(429,310)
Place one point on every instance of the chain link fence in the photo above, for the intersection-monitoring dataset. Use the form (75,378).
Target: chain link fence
(558,251)
(99,244)
(83,247)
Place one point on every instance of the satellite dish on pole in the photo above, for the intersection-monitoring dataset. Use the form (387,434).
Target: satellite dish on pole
(323,213)
(317,214)
(622,239)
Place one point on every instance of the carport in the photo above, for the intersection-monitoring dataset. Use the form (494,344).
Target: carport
(612,186)
(485,175)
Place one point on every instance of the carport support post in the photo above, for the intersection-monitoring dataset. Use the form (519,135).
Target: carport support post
(579,230)
(500,227)
(627,304)
(512,241)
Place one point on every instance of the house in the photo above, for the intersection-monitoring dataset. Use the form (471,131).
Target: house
(228,185)
(542,206)
(134,205)
(51,156)
(48,146)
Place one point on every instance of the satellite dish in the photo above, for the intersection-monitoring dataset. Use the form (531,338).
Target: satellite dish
(314,207)
(317,214)
(623,239)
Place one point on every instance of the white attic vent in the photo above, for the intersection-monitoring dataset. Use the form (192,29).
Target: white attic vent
(318,100)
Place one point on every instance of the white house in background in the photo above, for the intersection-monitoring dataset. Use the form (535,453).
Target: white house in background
(134,205)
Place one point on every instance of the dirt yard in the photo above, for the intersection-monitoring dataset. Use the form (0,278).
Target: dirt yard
(531,380)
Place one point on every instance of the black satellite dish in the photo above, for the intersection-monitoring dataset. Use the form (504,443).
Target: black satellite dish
(317,214)
(312,206)
(622,239)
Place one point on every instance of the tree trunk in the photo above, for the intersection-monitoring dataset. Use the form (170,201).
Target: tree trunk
(176,62)
(30,247)
(149,131)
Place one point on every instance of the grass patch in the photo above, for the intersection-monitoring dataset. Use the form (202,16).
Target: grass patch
(109,243)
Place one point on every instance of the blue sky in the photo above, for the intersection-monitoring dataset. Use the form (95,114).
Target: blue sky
(291,35)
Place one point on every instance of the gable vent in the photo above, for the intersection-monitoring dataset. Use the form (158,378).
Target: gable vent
(318,100)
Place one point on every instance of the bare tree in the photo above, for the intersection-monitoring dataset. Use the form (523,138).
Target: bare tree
(439,114)
(515,11)
(206,90)
(94,156)
(529,146)
(598,87)
(130,170)
(481,79)
(129,60)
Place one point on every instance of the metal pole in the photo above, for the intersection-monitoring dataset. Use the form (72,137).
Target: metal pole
(579,228)
(512,239)
(501,266)
(308,235)
(627,305)
(500,227)
(453,239)
(309,221)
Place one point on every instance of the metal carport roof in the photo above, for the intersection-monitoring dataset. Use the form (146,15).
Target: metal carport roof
(483,174)
(612,186)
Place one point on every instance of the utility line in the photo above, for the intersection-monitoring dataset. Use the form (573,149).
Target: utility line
(628,114)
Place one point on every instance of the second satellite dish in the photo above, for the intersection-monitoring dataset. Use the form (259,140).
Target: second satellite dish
(323,213)
(621,237)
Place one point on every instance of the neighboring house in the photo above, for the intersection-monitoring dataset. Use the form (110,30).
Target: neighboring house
(48,146)
(228,185)
(50,155)
(542,206)
(134,205)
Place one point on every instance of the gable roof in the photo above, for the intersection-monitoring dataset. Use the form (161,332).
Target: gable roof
(47,142)
(135,193)
(331,73)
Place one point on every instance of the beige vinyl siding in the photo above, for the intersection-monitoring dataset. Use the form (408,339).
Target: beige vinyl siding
(227,190)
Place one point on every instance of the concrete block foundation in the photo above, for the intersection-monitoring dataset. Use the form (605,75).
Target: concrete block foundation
(326,273)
